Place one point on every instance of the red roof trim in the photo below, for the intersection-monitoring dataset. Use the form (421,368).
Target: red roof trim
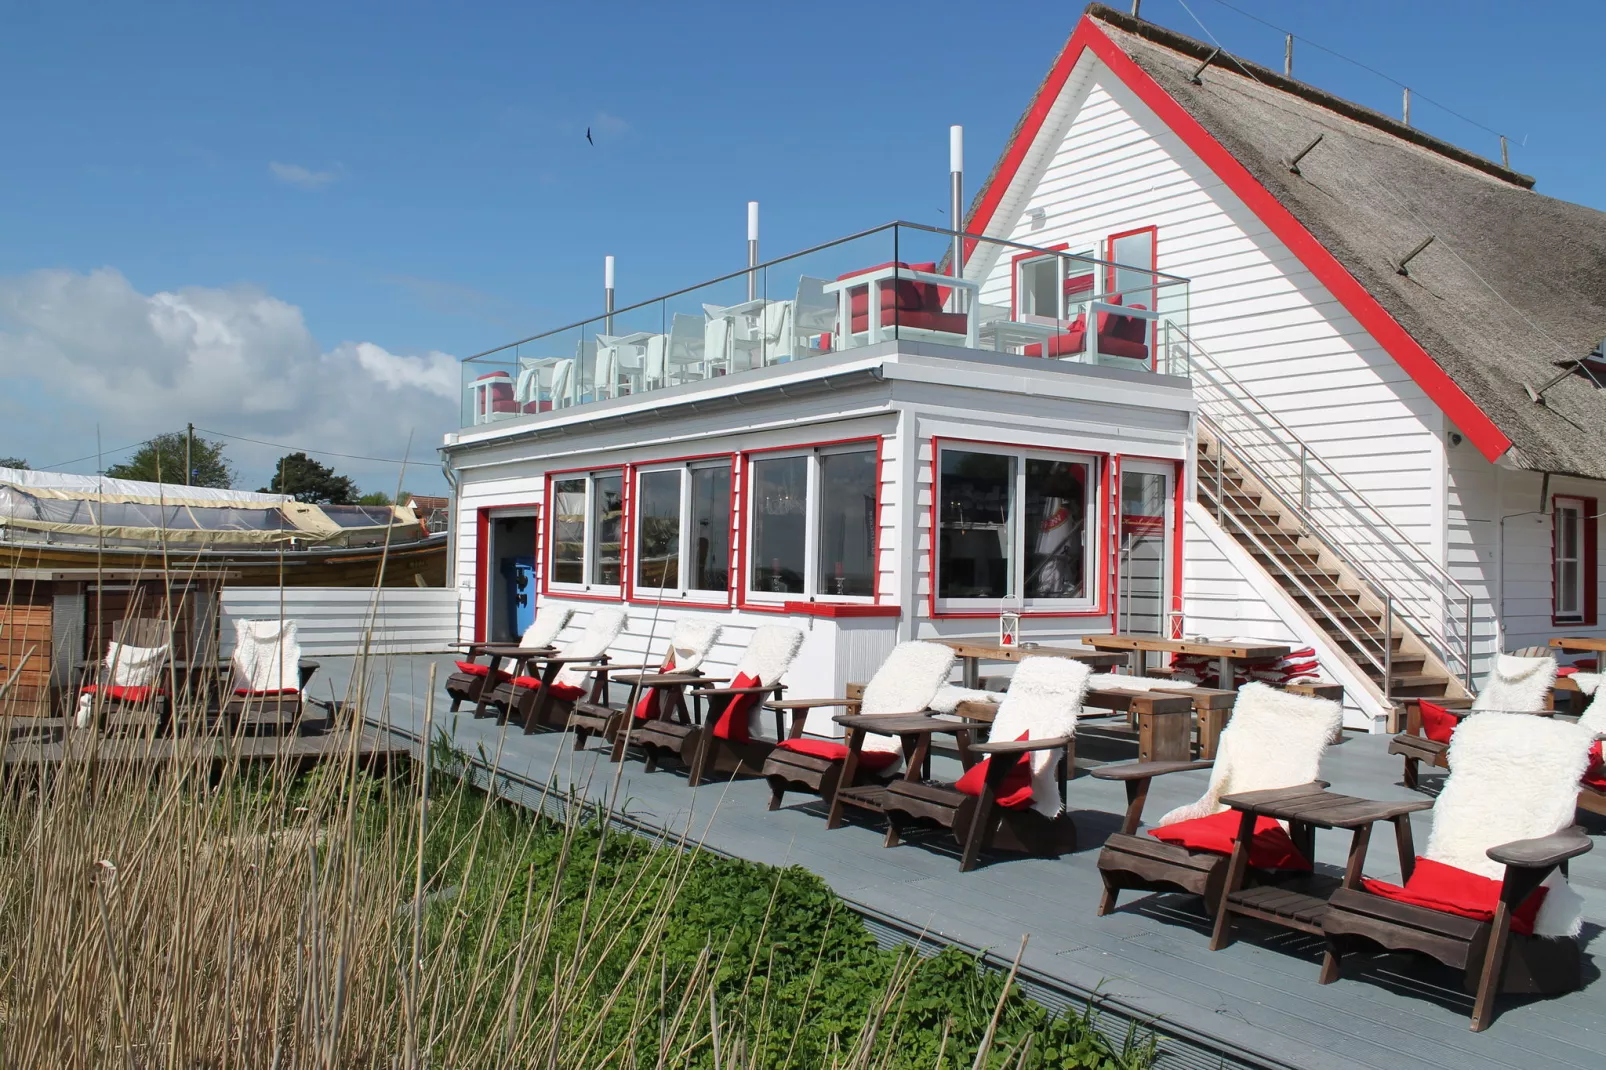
(1480,430)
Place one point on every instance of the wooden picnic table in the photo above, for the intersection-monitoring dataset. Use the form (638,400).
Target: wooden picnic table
(972,653)
(1592,644)
(1225,653)
(1160,715)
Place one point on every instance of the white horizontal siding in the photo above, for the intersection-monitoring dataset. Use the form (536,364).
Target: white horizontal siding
(348,620)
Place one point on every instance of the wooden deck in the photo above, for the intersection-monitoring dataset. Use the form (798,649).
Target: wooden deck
(1257,1000)
(47,743)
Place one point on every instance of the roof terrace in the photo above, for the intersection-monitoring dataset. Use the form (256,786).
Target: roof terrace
(893,282)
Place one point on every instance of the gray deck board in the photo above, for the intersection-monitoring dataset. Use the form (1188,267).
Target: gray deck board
(1259,994)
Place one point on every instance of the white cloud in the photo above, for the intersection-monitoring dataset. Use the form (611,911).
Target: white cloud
(94,353)
(296,175)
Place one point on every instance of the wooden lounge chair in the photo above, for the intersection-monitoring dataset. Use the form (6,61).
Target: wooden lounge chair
(1502,828)
(130,677)
(1516,684)
(905,683)
(1273,740)
(474,680)
(545,701)
(1014,798)
(266,682)
(689,646)
(726,738)
(1592,788)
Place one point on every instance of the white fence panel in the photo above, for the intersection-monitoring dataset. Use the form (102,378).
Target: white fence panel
(335,620)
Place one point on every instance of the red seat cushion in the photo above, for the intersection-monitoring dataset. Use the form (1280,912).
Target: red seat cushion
(1438,724)
(1014,791)
(1595,776)
(476,669)
(1071,340)
(905,294)
(925,319)
(1271,847)
(1455,891)
(873,760)
(1566,670)
(124,693)
(732,722)
(566,692)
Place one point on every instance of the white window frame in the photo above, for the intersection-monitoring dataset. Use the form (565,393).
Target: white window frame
(588,556)
(682,591)
(811,530)
(1093,532)
(1061,273)
(1576,508)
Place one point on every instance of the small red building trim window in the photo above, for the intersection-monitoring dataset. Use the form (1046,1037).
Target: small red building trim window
(1574,555)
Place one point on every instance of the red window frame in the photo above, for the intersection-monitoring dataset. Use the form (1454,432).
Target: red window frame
(703,599)
(1104,541)
(807,605)
(482,555)
(1154,265)
(626,533)
(1588,558)
(1178,523)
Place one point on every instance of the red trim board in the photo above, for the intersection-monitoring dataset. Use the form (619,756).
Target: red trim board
(1460,409)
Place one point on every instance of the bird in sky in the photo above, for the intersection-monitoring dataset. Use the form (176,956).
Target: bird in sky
(588,137)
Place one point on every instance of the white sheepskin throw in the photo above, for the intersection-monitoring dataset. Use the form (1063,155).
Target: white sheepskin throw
(134,666)
(949,696)
(543,630)
(1594,715)
(1102,681)
(267,655)
(691,642)
(1517,685)
(601,630)
(1274,740)
(1043,701)
(906,683)
(768,656)
(1512,777)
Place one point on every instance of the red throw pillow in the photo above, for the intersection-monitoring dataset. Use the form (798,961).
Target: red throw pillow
(1595,776)
(1455,891)
(647,705)
(1270,848)
(732,723)
(873,760)
(124,693)
(1437,722)
(475,669)
(1014,791)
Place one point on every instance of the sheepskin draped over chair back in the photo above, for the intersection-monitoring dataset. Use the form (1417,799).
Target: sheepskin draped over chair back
(1517,685)
(1512,777)
(905,683)
(543,630)
(769,654)
(267,655)
(1043,701)
(1274,740)
(691,641)
(601,630)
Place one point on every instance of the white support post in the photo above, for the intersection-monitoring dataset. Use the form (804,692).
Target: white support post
(752,249)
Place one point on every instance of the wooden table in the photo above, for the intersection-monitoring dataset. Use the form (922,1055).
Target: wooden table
(1160,717)
(1300,904)
(1226,654)
(972,653)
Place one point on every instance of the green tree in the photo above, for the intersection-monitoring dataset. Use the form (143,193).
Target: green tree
(13,462)
(307,480)
(375,497)
(161,460)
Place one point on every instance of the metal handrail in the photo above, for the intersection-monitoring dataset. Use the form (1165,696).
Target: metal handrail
(1446,597)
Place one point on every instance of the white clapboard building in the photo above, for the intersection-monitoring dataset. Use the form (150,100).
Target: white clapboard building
(1226,356)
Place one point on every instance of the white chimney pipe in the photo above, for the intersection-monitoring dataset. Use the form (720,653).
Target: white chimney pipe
(956,213)
(607,292)
(752,249)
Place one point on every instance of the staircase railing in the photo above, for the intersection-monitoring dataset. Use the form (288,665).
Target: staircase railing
(1414,589)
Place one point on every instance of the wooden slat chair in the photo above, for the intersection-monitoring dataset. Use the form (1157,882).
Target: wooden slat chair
(1518,683)
(266,683)
(906,683)
(1273,740)
(1502,829)
(1014,798)
(571,673)
(129,680)
(475,679)
(689,646)
(726,736)
(1592,789)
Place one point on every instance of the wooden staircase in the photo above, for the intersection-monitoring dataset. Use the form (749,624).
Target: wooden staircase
(1332,597)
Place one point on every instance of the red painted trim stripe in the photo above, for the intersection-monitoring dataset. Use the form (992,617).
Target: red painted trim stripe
(1461,410)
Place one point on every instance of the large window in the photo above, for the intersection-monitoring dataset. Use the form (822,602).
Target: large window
(587,524)
(1013,530)
(683,527)
(812,518)
(1574,573)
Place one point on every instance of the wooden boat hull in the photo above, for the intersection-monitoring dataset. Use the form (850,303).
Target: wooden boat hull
(413,564)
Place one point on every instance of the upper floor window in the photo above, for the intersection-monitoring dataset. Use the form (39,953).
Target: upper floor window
(1013,529)
(812,522)
(587,531)
(1574,567)
(683,527)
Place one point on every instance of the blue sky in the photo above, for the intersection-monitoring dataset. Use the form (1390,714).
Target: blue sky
(300,179)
